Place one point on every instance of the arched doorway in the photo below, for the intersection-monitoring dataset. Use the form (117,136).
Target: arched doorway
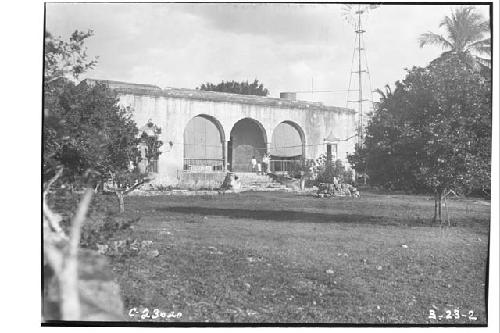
(203,145)
(287,148)
(248,138)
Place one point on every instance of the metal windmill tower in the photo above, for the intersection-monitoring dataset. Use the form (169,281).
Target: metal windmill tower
(354,15)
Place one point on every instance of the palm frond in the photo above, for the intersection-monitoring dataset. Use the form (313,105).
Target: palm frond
(481,46)
(464,26)
(484,61)
(431,38)
(388,90)
(381,93)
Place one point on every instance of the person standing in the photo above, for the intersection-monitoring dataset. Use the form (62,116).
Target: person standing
(265,162)
(254,163)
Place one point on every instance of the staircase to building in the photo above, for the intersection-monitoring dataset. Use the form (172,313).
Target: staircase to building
(251,181)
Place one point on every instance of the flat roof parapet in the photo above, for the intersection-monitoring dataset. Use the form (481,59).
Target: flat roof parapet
(213,96)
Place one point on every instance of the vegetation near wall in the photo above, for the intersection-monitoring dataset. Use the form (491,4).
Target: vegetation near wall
(326,173)
(433,133)
(88,139)
(241,88)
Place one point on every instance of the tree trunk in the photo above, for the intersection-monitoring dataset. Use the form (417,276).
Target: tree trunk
(437,207)
(447,212)
(120,196)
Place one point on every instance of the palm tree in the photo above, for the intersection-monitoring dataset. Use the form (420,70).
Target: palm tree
(384,95)
(467,35)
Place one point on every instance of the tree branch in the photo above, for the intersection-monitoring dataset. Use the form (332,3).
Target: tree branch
(68,278)
(52,219)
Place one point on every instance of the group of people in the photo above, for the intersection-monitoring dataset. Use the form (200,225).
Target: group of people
(264,165)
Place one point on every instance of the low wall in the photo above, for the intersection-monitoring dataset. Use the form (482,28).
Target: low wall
(200,180)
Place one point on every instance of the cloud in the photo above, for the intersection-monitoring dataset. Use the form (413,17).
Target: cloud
(282,45)
(280,22)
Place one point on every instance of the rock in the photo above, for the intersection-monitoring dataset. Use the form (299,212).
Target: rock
(379,268)
(119,244)
(145,244)
(330,271)
(404,246)
(134,245)
(153,253)
(102,249)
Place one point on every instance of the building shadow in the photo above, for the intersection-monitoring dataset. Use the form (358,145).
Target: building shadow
(282,215)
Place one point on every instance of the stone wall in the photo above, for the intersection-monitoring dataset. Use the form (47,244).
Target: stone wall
(200,180)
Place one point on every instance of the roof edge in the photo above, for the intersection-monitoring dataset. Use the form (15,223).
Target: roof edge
(213,96)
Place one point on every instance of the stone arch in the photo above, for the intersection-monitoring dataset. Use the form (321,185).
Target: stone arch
(288,147)
(248,138)
(204,140)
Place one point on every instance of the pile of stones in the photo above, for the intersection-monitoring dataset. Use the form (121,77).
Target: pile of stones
(326,190)
(128,247)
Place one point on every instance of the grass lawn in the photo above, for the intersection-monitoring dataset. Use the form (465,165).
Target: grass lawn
(285,257)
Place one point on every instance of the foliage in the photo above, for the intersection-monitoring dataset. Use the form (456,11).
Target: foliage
(66,59)
(103,222)
(466,36)
(150,137)
(433,133)
(242,88)
(85,130)
(96,234)
(326,173)
(88,134)
(298,170)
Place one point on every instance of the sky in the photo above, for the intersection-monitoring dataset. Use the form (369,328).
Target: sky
(288,47)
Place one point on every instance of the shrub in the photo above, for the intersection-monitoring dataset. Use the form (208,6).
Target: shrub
(326,174)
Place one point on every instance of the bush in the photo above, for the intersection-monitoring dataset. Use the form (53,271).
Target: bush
(297,170)
(337,170)
(103,231)
(103,222)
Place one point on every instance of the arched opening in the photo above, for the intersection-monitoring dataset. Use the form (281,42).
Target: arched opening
(203,145)
(287,147)
(248,139)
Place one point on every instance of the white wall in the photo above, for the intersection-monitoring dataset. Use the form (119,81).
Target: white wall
(173,114)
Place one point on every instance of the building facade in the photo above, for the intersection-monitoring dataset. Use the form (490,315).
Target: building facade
(205,134)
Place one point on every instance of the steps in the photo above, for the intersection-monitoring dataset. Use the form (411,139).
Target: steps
(251,181)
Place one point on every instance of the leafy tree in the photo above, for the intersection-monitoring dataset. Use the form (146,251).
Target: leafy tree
(433,133)
(466,36)
(89,132)
(66,59)
(241,88)
(85,131)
